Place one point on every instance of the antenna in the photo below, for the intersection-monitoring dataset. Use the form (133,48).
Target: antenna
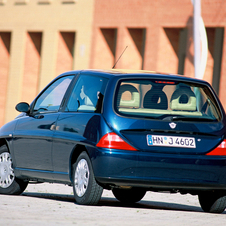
(119,57)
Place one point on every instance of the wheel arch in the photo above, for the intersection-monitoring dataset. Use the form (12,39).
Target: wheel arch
(4,142)
(74,155)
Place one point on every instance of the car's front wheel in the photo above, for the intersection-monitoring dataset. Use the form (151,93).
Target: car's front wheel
(9,184)
(132,195)
(86,190)
(213,202)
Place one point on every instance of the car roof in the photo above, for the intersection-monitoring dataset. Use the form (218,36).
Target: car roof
(126,73)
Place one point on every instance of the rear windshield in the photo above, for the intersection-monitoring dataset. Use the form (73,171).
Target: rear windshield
(166,100)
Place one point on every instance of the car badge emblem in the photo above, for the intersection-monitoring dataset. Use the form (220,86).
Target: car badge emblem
(172,125)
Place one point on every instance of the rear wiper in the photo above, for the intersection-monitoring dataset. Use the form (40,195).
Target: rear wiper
(183,118)
(150,117)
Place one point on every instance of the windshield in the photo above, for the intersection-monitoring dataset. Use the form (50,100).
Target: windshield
(166,100)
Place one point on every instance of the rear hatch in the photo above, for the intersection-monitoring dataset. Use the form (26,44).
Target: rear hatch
(185,138)
(168,115)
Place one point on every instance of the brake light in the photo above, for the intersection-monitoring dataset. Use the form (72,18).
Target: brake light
(165,82)
(219,150)
(113,141)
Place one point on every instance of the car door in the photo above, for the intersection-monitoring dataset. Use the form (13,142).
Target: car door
(79,122)
(32,138)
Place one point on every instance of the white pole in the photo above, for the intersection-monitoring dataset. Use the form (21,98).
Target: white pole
(199,30)
(196,35)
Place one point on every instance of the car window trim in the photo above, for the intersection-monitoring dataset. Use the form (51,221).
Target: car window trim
(72,85)
(212,94)
(32,113)
(68,93)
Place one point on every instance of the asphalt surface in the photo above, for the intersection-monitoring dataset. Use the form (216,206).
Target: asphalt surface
(53,204)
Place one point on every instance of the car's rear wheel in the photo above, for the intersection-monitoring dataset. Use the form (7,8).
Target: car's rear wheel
(213,202)
(86,190)
(9,184)
(132,195)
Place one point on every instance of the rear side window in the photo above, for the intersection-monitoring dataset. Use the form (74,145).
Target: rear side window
(166,100)
(87,95)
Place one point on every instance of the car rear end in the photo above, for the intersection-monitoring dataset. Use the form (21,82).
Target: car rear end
(161,132)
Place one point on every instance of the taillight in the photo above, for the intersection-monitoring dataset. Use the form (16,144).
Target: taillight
(113,141)
(219,150)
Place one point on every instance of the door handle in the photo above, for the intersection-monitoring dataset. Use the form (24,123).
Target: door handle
(39,116)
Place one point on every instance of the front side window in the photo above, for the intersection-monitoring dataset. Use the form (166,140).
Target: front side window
(87,95)
(51,98)
(168,100)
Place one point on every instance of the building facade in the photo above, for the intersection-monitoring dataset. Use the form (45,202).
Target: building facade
(40,39)
(159,36)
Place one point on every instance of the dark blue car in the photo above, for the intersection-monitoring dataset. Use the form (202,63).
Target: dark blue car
(127,131)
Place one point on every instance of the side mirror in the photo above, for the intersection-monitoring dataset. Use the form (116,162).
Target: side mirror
(23,107)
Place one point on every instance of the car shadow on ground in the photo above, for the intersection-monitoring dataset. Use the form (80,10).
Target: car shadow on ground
(112,202)
(149,205)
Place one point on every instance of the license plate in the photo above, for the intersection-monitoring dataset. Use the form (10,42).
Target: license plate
(171,141)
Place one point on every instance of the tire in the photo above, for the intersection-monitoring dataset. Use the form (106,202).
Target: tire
(132,195)
(213,202)
(9,184)
(86,190)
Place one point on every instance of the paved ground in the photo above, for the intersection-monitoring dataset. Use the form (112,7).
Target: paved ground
(53,204)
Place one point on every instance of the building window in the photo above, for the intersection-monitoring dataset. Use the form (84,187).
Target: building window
(44,1)
(183,33)
(5,39)
(69,1)
(31,65)
(172,50)
(137,45)
(65,54)
(21,2)
(217,57)
(105,48)
(2,2)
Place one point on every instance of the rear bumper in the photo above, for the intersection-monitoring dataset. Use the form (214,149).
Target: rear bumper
(162,171)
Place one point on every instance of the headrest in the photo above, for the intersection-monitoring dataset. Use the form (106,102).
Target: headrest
(155,99)
(134,95)
(183,98)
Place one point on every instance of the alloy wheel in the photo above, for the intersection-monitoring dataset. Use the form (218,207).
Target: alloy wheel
(7,175)
(81,178)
